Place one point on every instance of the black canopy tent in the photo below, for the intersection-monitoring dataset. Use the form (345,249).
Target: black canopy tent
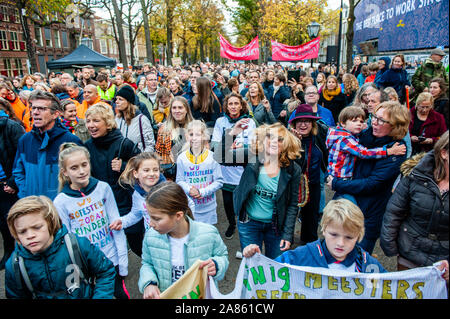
(79,57)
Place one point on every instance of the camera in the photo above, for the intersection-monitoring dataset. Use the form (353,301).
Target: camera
(421,138)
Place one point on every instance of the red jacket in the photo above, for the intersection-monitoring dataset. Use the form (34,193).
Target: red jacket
(433,127)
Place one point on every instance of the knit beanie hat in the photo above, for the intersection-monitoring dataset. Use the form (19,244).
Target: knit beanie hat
(127,93)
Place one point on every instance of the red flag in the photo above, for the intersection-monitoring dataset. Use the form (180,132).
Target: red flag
(248,52)
(282,52)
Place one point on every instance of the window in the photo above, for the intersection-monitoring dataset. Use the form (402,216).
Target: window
(4,12)
(38,36)
(103,46)
(57,39)
(16,15)
(64,39)
(48,37)
(19,66)
(14,40)
(8,68)
(3,40)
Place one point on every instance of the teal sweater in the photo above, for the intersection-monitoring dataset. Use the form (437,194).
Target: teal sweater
(204,242)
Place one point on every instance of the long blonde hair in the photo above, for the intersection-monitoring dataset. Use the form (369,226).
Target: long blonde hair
(66,150)
(171,126)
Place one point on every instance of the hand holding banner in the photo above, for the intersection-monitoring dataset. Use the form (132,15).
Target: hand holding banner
(263,278)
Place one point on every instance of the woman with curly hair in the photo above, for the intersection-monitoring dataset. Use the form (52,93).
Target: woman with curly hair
(27,82)
(349,86)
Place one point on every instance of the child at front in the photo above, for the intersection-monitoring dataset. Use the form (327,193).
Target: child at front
(86,205)
(35,225)
(342,226)
(142,172)
(199,174)
(175,242)
(343,145)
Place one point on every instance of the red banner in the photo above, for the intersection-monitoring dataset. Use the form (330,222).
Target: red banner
(248,52)
(282,52)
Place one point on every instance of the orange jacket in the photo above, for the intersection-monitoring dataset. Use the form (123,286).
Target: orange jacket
(82,108)
(23,113)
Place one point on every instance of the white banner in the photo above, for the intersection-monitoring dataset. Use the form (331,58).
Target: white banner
(263,278)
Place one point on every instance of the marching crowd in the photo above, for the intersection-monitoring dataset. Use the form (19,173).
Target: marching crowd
(98,160)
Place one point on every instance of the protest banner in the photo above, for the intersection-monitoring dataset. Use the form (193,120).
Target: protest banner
(190,286)
(248,52)
(262,278)
(283,52)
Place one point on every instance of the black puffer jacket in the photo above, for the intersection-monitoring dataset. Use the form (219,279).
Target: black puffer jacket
(10,133)
(103,150)
(415,224)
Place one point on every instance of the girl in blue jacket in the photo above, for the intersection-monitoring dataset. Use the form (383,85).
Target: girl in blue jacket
(342,226)
(35,225)
(175,242)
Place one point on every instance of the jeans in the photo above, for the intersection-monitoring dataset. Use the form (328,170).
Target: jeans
(256,232)
(323,176)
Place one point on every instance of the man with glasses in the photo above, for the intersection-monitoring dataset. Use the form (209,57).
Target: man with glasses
(311,98)
(36,164)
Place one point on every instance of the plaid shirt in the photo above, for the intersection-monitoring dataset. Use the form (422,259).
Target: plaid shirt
(344,148)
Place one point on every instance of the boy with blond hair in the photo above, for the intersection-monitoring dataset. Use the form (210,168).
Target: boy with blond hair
(342,226)
(49,263)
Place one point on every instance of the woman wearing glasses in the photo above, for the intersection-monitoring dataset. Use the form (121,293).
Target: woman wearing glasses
(373,179)
(426,125)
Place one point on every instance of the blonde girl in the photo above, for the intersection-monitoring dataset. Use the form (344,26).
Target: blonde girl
(87,205)
(198,173)
(175,242)
(142,173)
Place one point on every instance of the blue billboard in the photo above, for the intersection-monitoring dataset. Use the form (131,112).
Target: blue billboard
(402,24)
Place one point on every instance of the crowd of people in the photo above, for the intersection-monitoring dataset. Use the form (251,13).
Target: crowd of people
(135,158)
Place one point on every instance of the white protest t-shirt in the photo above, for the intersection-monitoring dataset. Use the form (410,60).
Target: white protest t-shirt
(177,256)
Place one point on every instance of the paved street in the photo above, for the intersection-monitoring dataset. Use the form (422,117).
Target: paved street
(226,285)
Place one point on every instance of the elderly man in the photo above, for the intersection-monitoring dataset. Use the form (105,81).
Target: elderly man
(431,68)
(66,78)
(75,92)
(35,167)
(91,97)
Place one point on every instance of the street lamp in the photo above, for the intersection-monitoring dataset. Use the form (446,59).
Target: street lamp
(313,31)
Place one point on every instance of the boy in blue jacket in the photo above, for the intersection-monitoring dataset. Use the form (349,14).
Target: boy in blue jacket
(42,266)
(342,226)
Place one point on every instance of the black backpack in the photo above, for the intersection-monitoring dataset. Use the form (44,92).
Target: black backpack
(73,248)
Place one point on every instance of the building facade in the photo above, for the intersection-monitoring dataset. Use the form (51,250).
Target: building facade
(51,41)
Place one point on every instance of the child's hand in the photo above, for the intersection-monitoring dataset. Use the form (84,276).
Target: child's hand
(443,265)
(151,292)
(285,245)
(283,113)
(194,192)
(250,250)
(210,265)
(9,189)
(330,181)
(397,149)
(116,225)
(116,164)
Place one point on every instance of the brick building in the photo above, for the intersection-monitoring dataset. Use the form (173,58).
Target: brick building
(51,42)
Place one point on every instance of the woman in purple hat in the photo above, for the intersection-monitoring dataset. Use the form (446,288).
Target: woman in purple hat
(312,134)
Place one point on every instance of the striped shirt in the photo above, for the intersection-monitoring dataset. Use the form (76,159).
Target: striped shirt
(344,148)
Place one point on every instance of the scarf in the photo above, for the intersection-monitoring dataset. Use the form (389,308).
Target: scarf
(70,125)
(329,95)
